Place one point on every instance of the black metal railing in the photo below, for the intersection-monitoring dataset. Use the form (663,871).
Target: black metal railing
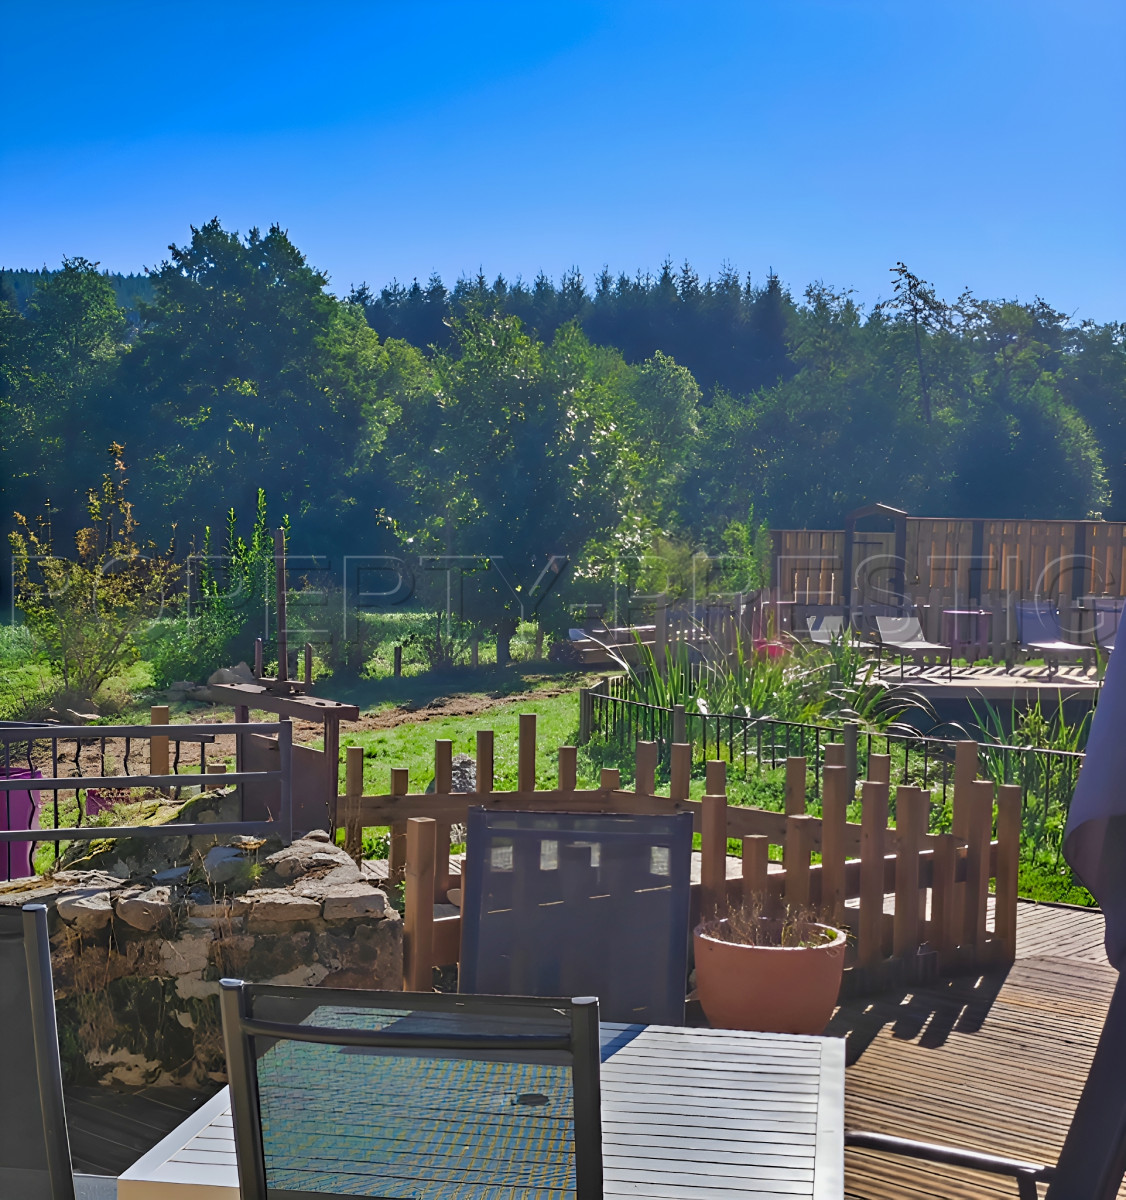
(752,745)
(38,758)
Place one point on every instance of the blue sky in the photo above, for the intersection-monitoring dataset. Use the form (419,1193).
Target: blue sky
(982,142)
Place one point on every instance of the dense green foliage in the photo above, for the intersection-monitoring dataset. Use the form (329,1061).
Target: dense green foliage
(523,427)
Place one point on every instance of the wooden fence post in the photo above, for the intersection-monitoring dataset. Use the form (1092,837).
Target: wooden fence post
(661,638)
(679,724)
(979,816)
(418,904)
(834,817)
(715,778)
(397,850)
(943,931)
(910,823)
(850,735)
(756,868)
(158,746)
(799,843)
(713,857)
(586,704)
(568,768)
(680,770)
(484,760)
(1008,865)
(965,772)
(443,786)
(526,762)
(354,789)
(833,754)
(879,768)
(795,786)
(610,779)
(873,823)
(645,770)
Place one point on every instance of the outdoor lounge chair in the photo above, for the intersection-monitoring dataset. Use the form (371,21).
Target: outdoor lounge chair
(1039,631)
(579,904)
(1108,616)
(35,1159)
(1092,1162)
(356,1093)
(904,637)
(825,630)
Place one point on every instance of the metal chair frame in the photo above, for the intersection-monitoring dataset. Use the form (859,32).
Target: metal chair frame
(241,1028)
(1092,1163)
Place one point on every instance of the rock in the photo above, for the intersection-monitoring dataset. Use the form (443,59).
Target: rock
(463,774)
(307,855)
(146,911)
(172,875)
(246,843)
(317,885)
(225,864)
(205,907)
(240,674)
(181,685)
(277,905)
(87,911)
(349,901)
(316,835)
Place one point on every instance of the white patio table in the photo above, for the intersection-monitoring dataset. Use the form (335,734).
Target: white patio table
(687,1114)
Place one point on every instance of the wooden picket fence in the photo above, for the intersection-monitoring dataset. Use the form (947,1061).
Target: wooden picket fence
(915,902)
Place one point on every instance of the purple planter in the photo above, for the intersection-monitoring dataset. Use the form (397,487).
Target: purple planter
(18,810)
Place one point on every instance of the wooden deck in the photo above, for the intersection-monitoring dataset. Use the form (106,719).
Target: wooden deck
(993,1062)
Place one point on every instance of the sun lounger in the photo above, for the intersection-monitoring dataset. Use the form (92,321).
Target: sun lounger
(904,637)
(1038,627)
(1108,616)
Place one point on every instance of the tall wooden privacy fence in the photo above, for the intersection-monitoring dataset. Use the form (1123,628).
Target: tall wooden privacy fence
(957,561)
(916,902)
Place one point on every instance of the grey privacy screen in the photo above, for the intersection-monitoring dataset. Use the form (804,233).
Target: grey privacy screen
(579,904)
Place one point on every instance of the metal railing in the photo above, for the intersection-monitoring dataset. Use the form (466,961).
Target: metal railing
(39,751)
(751,745)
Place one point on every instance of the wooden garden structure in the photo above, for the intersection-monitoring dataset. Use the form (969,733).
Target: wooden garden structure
(917,902)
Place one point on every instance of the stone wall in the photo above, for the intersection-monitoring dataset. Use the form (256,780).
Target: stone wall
(137,958)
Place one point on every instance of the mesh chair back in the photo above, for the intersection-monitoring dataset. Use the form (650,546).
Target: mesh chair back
(825,629)
(1108,614)
(895,630)
(396,1095)
(34,1147)
(579,904)
(1038,624)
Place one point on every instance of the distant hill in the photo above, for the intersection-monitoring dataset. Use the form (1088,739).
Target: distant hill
(16,287)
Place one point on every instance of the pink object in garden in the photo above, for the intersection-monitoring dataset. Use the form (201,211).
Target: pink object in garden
(766,649)
(18,810)
(96,802)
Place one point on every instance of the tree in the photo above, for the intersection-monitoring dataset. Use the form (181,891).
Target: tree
(86,611)
(254,375)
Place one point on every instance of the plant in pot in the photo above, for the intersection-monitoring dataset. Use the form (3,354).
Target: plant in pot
(770,970)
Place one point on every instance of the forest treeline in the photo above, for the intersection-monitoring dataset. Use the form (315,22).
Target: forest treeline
(525,420)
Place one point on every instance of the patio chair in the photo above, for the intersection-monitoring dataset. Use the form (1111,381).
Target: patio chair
(398,1094)
(35,1159)
(1039,631)
(579,904)
(825,630)
(904,637)
(1091,1164)
(1107,618)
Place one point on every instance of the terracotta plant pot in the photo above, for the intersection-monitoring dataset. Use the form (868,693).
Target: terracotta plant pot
(770,989)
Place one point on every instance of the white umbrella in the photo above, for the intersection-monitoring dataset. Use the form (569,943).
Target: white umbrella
(1095,837)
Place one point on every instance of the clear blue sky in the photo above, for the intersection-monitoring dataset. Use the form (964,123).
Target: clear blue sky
(981,141)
